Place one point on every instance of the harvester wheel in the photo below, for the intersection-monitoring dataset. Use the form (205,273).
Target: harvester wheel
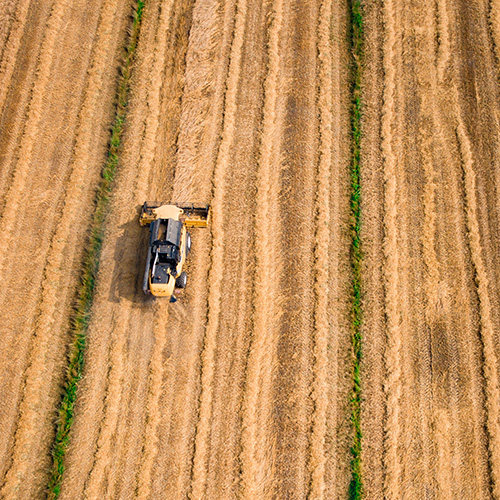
(181,281)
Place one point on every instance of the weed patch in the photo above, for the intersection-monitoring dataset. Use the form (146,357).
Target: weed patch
(357,47)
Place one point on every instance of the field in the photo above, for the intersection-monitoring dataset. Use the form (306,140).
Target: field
(339,334)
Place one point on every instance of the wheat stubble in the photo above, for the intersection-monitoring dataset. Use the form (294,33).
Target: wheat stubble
(436,393)
(52,157)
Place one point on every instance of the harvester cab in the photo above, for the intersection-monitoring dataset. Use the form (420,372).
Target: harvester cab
(169,244)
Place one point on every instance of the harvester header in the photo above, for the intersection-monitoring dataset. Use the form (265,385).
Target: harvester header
(169,244)
(191,214)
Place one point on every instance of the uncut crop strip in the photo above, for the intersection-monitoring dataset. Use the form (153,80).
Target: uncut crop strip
(356,486)
(202,113)
(82,313)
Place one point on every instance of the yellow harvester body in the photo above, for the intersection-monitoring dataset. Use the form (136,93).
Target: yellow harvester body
(169,244)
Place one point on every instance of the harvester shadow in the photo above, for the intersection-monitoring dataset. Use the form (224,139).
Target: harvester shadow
(129,264)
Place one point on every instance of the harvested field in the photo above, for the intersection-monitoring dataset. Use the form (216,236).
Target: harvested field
(55,109)
(175,398)
(247,386)
(431,251)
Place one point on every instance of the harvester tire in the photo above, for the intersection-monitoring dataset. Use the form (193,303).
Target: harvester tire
(181,281)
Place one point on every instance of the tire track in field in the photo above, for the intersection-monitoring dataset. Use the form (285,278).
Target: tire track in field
(199,474)
(391,254)
(444,472)
(254,459)
(320,397)
(34,426)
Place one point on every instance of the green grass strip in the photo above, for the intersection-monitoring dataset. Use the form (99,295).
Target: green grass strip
(81,317)
(357,47)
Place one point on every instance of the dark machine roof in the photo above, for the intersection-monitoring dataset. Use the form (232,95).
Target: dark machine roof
(173,233)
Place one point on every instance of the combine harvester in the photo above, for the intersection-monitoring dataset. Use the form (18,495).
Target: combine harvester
(169,244)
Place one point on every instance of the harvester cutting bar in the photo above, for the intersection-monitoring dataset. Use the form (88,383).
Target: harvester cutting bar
(193,215)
